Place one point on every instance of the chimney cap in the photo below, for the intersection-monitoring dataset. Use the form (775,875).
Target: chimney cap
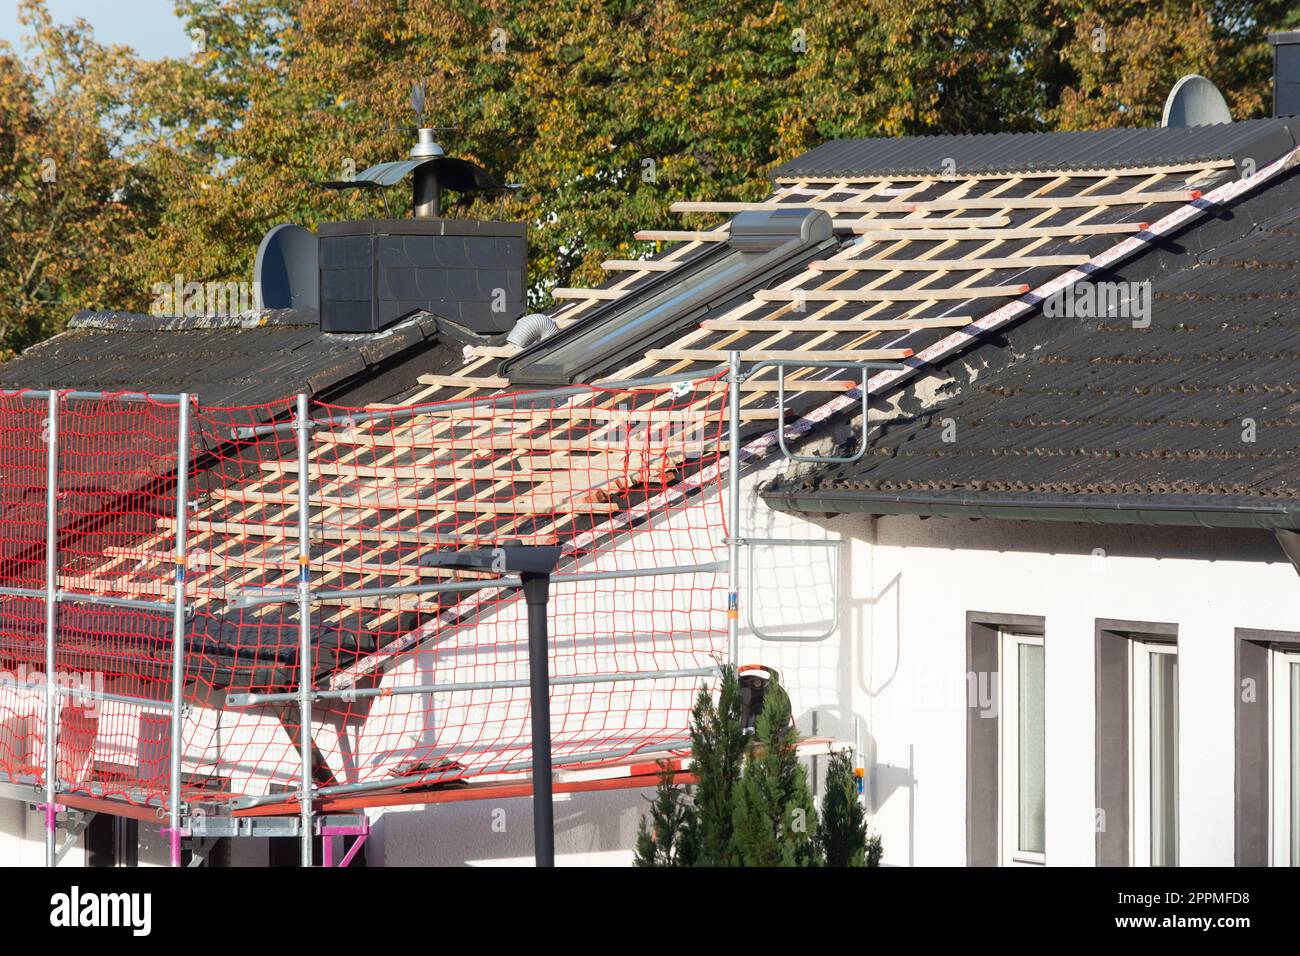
(425,146)
(1284,37)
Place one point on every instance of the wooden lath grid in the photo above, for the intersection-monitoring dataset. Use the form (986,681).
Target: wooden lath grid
(246,530)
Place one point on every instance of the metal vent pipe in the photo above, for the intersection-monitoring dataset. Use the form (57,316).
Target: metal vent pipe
(427,191)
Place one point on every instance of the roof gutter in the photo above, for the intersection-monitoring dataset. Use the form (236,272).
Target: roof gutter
(1199,514)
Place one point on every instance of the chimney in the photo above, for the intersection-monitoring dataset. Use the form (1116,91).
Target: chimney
(367,274)
(1286,73)
(375,271)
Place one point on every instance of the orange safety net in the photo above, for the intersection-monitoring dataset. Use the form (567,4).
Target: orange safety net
(619,479)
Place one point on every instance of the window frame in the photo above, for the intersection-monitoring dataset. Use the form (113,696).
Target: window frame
(1010,853)
(1283,835)
(983,772)
(1141,651)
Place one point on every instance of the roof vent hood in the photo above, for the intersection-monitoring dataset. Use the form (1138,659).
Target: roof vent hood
(367,274)
(761,245)
(1286,73)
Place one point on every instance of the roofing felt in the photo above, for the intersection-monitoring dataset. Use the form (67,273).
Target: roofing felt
(1261,140)
(1194,419)
(225,360)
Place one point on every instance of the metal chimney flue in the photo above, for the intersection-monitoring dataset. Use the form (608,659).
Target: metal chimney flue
(426,190)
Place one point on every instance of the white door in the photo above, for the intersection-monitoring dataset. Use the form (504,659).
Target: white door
(1284,762)
(1153,753)
(1022,751)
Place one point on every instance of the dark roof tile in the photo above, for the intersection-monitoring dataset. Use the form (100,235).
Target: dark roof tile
(1262,140)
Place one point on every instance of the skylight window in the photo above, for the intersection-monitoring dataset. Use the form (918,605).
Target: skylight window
(761,245)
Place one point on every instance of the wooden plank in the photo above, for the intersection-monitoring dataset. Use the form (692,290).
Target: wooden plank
(1132,198)
(966,222)
(890,295)
(320,531)
(514,470)
(1166,170)
(519,503)
(398,474)
(779,355)
(681,235)
(945,265)
(494,351)
(522,441)
(875,232)
(262,560)
(1086,201)
(639,265)
(464,381)
(793,384)
(564,292)
(833,325)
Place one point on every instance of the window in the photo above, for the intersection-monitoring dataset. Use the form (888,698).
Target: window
(1005,750)
(1284,765)
(1153,720)
(1266,781)
(1023,750)
(762,245)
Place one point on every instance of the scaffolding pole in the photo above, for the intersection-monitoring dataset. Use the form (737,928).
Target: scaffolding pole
(305,683)
(51,619)
(178,625)
(733,508)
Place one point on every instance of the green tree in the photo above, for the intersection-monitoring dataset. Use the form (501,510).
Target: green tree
(842,827)
(718,755)
(667,838)
(774,816)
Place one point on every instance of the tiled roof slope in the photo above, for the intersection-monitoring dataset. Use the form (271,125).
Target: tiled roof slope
(225,360)
(1023,152)
(1195,419)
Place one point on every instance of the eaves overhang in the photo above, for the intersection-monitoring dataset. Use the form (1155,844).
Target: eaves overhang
(1200,512)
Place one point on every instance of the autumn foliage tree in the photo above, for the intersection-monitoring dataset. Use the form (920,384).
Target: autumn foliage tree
(605,113)
(71,198)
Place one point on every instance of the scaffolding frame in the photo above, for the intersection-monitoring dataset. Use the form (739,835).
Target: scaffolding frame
(180,817)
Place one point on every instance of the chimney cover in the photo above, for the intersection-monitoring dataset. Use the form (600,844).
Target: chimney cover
(1286,73)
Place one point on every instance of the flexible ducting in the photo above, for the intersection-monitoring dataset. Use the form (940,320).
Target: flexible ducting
(531,329)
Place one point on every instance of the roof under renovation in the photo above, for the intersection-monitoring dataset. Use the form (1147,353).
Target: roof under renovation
(860,257)
(1191,419)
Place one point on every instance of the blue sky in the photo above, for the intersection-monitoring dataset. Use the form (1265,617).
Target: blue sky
(150,26)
